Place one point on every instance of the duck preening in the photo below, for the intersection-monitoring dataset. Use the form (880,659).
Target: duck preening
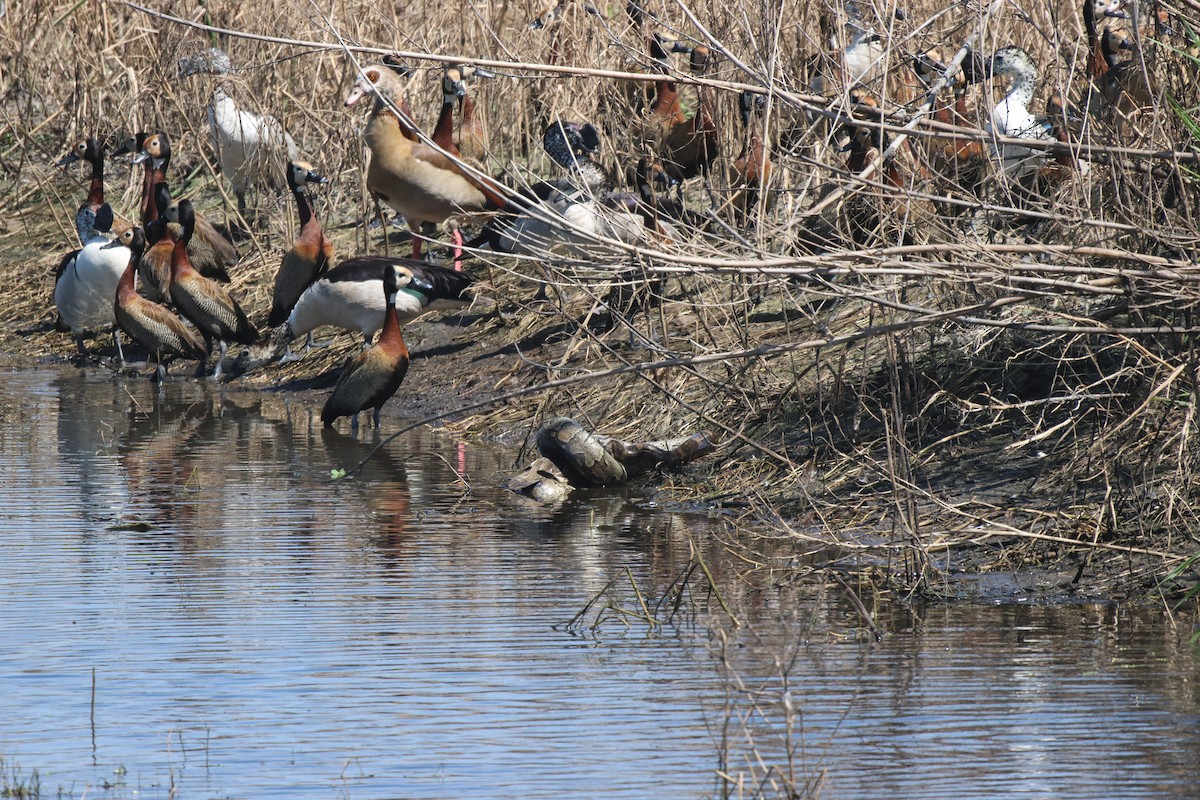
(350,296)
(373,376)
(249,145)
(150,324)
(204,302)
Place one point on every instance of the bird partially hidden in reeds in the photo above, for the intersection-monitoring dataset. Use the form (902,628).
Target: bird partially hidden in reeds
(371,378)
(248,144)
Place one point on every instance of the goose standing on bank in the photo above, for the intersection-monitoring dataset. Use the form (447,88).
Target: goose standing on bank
(149,323)
(350,296)
(415,180)
(374,375)
(247,143)
(87,278)
(204,302)
(310,255)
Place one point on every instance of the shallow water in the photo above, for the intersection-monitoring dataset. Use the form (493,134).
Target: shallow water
(251,629)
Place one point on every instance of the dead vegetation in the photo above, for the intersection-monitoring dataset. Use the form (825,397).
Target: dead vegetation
(907,351)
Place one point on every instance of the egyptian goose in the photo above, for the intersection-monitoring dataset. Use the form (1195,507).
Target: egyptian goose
(350,296)
(421,184)
(87,278)
(371,378)
(247,143)
(149,323)
(204,302)
(310,255)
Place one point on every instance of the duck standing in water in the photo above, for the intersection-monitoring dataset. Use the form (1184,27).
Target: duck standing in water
(374,375)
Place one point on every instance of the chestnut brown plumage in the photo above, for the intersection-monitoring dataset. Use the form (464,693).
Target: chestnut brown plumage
(151,324)
(310,256)
(374,375)
(204,302)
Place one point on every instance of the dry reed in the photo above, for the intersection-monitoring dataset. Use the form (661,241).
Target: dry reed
(933,362)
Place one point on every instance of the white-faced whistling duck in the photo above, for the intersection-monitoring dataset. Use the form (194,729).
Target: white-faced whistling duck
(374,375)
(752,167)
(210,251)
(156,328)
(87,278)
(470,141)
(472,127)
(90,151)
(154,267)
(470,131)
(204,302)
(1114,64)
(692,146)
(153,150)
(350,296)
(961,161)
(416,180)
(311,254)
(249,145)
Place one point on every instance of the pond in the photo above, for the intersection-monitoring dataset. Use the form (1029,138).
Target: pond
(191,607)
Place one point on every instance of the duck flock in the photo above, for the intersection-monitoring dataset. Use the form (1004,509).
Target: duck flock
(161,278)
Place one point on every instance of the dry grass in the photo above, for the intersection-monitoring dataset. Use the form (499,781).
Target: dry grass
(945,371)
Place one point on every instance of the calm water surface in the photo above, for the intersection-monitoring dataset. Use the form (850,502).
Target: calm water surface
(255,630)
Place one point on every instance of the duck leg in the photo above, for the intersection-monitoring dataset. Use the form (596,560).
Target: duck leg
(216,375)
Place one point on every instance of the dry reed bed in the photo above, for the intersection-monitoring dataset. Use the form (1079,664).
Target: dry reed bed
(946,375)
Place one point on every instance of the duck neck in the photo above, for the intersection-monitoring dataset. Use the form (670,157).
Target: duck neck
(96,189)
(149,208)
(1021,92)
(180,264)
(391,327)
(126,288)
(443,131)
(303,207)
(591,175)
